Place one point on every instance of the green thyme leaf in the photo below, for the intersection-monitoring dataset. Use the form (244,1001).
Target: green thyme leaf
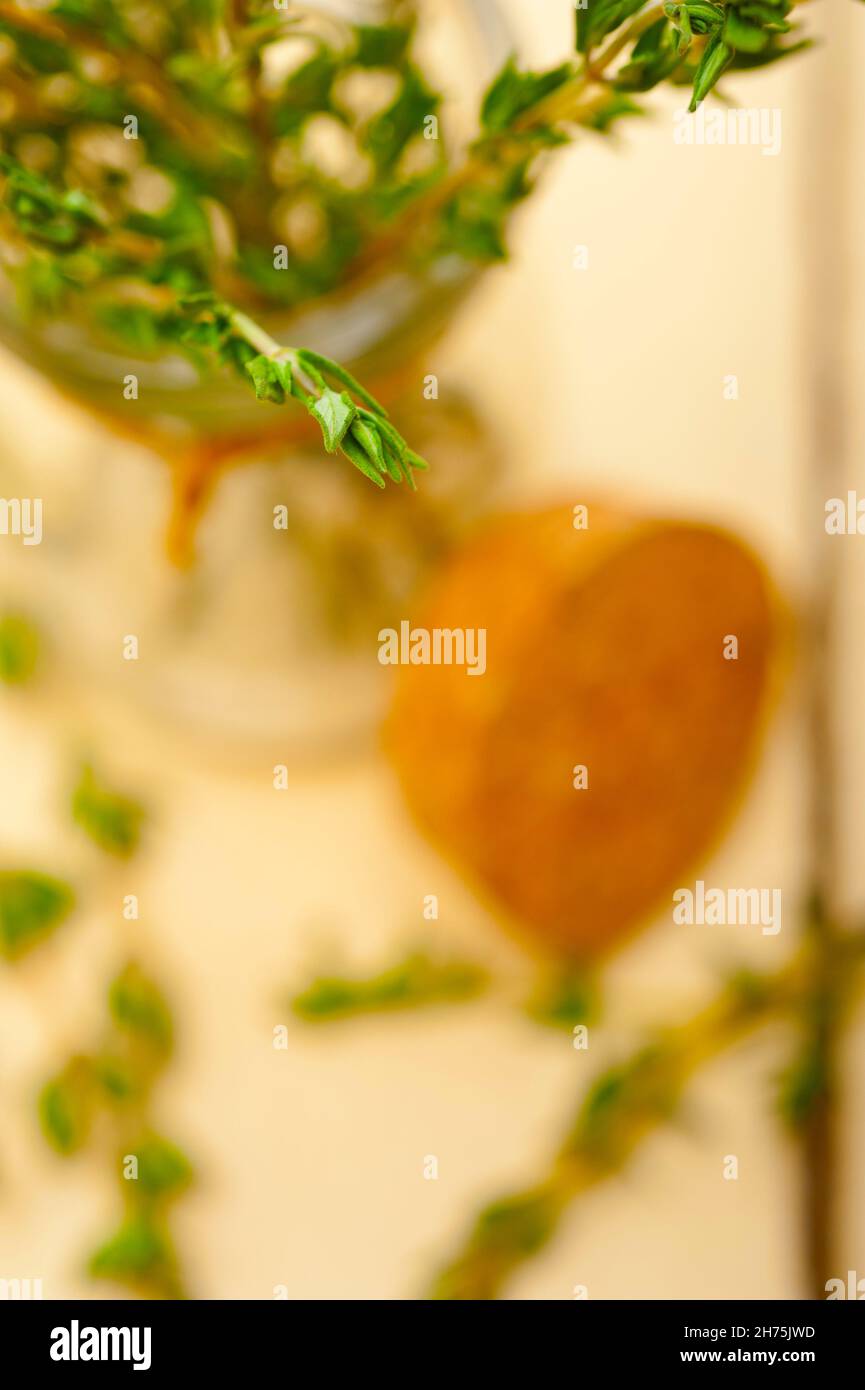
(522,1223)
(118,1077)
(140,1254)
(111,820)
(600,17)
(361,460)
(19,649)
(413,460)
(716,58)
(66,1107)
(271,377)
(389,133)
(697,16)
(618,106)
(513,92)
(646,1086)
(339,373)
(655,56)
(381,45)
(772,53)
(43,212)
(744,35)
(367,436)
(32,905)
(163,1168)
(569,996)
(139,1009)
(334,411)
(474,224)
(306,91)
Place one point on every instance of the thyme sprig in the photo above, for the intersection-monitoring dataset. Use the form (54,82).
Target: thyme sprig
(625,47)
(415,981)
(351,420)
(621,1108)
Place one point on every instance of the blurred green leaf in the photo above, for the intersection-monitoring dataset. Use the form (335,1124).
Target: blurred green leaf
(141,1255)
(112,821)
(522,1223)
(566,996)
(163,1168)
(117,1076)
(514,91)
(743,34)
(32,905)
(604,117)
(45,214)
(655,56)
(600,17)
(139,1009)
(306,91)
(801,1086)
(66,1106)
(19,649)
(381,45)
(474,225)
(771,54)
(644,1087)
(389,133)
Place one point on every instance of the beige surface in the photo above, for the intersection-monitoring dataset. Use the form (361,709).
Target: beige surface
(311,1159)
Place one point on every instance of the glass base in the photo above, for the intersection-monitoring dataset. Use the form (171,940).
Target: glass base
(270,638)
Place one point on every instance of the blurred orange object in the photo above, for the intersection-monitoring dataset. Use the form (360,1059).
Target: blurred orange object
(608,648)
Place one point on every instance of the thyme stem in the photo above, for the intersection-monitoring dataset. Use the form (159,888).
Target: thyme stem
(826,326)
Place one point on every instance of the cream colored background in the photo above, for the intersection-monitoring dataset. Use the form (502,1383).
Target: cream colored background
(311,1159)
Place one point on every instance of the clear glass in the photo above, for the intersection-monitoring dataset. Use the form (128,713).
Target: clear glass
(269,635)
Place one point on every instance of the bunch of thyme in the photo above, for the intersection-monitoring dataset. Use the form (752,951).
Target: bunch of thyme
(169,178)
